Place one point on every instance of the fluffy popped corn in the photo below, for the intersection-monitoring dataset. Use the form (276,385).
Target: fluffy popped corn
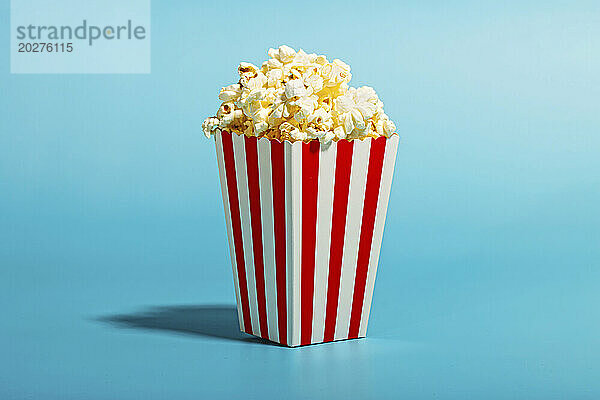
(298,96)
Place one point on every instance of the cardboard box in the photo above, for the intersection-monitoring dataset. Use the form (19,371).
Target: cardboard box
(305,223)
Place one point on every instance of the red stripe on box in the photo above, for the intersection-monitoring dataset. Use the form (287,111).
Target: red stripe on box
(251,144)
(343,167)
(366,232)
(310,187)
(236,226)
(278,177)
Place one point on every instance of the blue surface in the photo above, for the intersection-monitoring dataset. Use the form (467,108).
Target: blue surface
(115,279)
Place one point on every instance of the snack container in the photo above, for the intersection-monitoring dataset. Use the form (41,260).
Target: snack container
(305,223)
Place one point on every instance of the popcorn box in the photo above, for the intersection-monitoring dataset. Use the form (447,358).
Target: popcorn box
(305,223)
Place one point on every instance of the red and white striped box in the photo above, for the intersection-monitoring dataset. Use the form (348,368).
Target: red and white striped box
(305,223)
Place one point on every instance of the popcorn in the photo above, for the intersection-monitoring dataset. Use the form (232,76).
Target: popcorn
(286,54)
(335,73)
(274,63)
(321,119)
(295,88)
(209,125)
(315,81)
(256,81)
(307,107)
(339,132)
(274,77)
(260,127)
(247,70)
(297,134)
(231,92)
(355,109)
(273,53)
(389,128)
(298,96)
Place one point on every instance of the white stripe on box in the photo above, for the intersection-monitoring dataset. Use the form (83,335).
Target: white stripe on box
(384,194)
(225,195)
(266,211)
(289,269)
(356,196)
(242,186)
(294,172)
(327,160)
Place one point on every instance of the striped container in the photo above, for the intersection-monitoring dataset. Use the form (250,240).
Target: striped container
(305,224)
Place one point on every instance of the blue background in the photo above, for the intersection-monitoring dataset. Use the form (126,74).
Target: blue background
(115,279)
